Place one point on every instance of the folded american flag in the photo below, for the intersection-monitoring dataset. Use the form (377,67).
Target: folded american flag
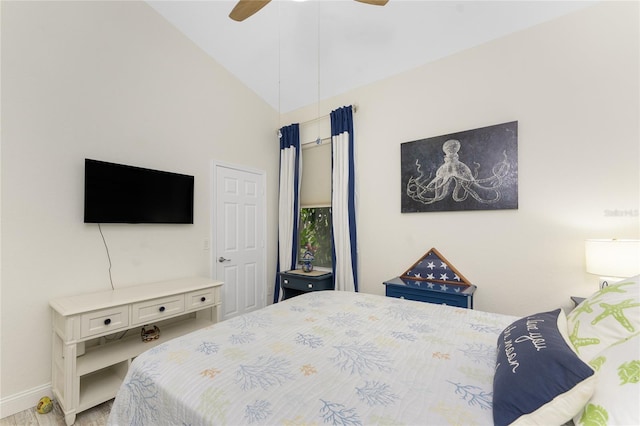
(433,267)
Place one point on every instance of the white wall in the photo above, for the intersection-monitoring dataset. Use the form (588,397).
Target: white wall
(572,85)
(112,81)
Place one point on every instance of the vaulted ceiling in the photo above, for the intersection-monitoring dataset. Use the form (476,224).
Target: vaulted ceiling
(292,53)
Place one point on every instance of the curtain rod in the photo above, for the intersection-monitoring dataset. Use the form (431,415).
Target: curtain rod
(354,108)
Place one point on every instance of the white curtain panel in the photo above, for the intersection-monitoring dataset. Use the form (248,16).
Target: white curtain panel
(343,266)
(288,217)
(288,202)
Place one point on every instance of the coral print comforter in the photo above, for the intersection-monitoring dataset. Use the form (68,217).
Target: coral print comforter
(321,358)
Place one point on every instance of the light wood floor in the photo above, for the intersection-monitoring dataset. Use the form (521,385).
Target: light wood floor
(97,416)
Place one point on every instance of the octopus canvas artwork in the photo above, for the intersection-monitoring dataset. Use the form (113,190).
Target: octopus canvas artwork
(469,170)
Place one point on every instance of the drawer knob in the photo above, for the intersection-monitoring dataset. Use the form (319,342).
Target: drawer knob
(162,308)
(107,321)
(202,299)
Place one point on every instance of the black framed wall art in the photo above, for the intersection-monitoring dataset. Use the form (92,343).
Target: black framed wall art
(469,170)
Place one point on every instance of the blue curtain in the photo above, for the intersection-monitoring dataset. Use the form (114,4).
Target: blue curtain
(343,200)
(289,202)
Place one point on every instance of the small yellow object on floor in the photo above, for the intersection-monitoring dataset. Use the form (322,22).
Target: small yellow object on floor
(44,405)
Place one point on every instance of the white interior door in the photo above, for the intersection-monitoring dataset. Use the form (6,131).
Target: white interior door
(239,221)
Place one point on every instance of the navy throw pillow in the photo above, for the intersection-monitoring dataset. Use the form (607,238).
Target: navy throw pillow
(539,378)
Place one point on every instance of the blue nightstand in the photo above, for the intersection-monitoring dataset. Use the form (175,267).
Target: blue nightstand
(297,282)
(431,292)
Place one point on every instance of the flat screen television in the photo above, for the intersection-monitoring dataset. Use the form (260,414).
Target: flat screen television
(118,193)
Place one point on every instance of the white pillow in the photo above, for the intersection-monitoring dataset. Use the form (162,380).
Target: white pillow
(606,317)
(615,400)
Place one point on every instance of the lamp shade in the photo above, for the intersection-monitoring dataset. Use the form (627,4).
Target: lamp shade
(613,258)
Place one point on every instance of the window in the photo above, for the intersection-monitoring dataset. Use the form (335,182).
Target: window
(314,228)
(314,233)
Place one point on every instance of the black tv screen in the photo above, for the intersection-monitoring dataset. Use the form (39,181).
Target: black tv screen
(117,193)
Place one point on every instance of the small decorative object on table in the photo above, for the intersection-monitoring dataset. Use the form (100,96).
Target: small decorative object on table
(306,259)
(149,334)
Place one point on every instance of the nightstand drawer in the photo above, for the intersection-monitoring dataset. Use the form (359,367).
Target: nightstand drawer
(430,297)
(199,299)
(307,284)
(157,309)
(423,291)
(297,282)
(104,321)
(303,284)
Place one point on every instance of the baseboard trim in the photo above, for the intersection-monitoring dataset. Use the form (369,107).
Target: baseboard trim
(23,400)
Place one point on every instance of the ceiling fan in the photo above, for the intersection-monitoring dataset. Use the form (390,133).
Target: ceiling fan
(246,8)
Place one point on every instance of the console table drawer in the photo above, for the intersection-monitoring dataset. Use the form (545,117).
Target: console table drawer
(199,299)
(104,321)
(157,309)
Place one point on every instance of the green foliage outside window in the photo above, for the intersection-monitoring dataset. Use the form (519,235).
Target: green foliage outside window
(315,234)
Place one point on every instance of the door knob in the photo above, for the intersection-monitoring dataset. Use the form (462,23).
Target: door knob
(222,259)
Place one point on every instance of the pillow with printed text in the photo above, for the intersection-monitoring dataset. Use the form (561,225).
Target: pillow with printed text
(539,378)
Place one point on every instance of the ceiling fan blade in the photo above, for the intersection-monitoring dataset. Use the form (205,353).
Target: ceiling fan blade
(374,2)
(246,8)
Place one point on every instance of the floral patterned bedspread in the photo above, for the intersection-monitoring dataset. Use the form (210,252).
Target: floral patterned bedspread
(321,358)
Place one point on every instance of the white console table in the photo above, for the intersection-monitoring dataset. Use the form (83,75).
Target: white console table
(97,335)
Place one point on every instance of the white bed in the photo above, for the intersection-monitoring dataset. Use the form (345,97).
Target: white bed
(335,358)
